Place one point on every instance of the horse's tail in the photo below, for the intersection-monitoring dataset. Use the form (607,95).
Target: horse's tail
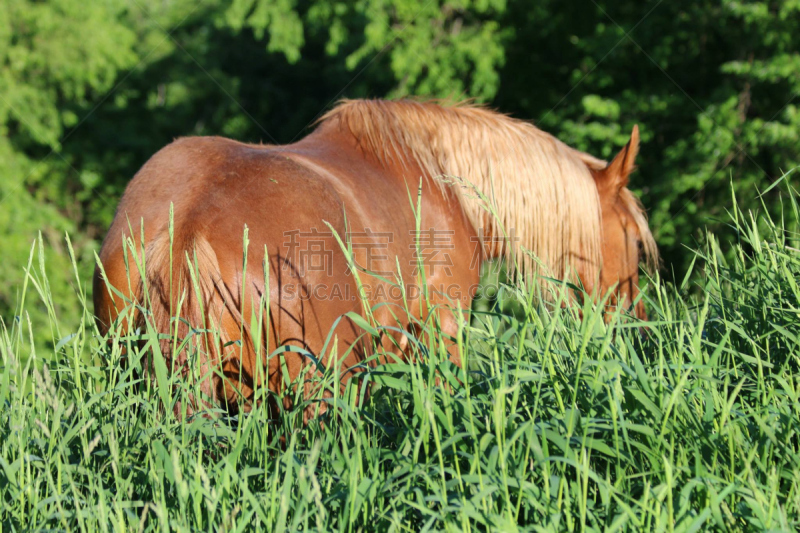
(191,310)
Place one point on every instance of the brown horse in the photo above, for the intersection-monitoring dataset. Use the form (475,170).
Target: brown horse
(378,190)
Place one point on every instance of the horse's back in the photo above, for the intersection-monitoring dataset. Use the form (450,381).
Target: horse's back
(214,188)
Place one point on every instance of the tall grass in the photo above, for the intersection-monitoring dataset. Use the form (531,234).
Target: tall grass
(559,420)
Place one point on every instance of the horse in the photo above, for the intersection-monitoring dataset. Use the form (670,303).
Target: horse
(380,198)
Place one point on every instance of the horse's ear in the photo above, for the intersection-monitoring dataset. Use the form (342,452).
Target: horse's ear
(615,176)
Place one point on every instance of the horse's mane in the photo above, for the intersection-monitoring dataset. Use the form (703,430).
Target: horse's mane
(539,188)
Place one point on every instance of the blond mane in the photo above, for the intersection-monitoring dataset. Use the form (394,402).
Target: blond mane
(540,189)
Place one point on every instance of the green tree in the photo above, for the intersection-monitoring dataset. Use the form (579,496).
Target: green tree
(711,84)
(55,57)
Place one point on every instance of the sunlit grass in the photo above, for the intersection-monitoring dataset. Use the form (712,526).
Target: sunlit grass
(559,421)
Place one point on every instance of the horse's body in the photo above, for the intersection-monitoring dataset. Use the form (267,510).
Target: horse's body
(359,171)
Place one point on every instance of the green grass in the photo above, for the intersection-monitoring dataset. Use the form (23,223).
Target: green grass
(689,422)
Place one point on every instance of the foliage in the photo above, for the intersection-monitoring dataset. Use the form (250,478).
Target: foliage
(54,59)
(689,421)
(711,83)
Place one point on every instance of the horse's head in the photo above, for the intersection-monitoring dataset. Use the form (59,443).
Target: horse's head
(627,240)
